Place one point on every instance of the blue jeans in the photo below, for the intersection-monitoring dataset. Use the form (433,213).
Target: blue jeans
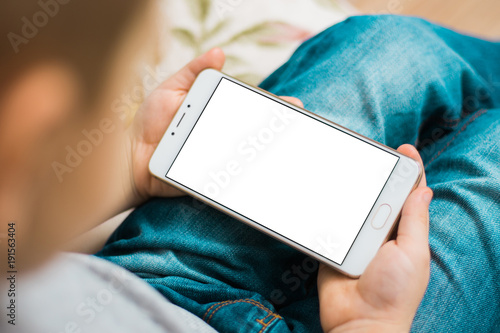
(396,80)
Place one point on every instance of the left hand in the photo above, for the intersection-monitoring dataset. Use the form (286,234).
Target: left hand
(153,119)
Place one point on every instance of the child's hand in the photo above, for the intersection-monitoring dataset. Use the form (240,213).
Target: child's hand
(386,297)
(153,119)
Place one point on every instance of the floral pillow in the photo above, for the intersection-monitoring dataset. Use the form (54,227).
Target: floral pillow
(256,35)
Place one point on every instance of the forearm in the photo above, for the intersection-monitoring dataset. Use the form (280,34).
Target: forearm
(85,204)
(367,325)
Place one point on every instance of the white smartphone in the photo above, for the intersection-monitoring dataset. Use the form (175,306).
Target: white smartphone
(310,183)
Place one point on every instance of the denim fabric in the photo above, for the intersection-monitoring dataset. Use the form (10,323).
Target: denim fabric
(396,80)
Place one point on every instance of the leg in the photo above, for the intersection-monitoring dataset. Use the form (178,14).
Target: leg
(463,294)
(405,80)
(392,78)
(227,273)
(382,80)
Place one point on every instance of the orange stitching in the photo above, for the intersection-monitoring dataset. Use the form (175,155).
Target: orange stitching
(236,301)
(261,321)
(210,308)
(471,119)
(250,301)
(269,323)
(217,309)
(260,305)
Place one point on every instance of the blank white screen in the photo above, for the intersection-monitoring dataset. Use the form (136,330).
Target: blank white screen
(299,177)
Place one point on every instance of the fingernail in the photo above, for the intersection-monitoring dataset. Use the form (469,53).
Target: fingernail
(428,196)
(215,49)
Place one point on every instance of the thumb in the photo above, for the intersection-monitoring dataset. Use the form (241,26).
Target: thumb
(293,100)
(184,78)
(413,230)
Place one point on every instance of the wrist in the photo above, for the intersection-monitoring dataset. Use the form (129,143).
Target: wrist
(370,325)
(133,195)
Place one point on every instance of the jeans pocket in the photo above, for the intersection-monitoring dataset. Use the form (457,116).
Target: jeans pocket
(244,315)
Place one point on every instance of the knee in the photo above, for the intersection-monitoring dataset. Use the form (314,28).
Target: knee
(385,44)
(384,34)
(388,38)
(386,28)
(363,21)
(365,43)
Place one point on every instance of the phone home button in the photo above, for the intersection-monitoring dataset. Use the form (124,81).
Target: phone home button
(381,216)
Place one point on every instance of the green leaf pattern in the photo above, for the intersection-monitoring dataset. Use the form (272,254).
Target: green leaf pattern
(202,36)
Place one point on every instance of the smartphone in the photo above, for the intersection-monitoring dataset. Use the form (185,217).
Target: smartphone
(310,183)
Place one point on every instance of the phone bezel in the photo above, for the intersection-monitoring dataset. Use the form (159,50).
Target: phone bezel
(404,178)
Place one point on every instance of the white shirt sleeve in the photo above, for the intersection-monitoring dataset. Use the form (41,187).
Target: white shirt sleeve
(79,293)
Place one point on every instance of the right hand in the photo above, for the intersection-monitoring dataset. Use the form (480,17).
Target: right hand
(386,297)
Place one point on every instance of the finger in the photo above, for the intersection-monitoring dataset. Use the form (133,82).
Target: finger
(412,152)
(293,100)
(413,230)
(183,79)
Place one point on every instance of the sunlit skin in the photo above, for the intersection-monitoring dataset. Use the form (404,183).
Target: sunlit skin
(155,115)
(386,296)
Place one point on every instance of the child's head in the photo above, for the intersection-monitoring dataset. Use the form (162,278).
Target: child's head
(61,63)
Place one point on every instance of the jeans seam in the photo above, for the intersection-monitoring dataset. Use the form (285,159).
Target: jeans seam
(464,127)
(220,305)
(450,122)
(266,325)
(246,300)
